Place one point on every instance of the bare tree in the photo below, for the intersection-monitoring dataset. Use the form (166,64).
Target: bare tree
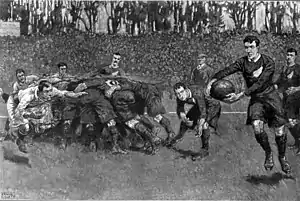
(237,12)
(294,16)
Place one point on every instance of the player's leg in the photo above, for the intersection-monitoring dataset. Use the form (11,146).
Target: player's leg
(256,112)
(193,115)
(68,114)
(292,113)
(277,120)
(19,133)
(281,140)
(136,125)
(211,124)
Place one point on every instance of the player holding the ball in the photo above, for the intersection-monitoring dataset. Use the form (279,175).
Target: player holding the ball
(265,104)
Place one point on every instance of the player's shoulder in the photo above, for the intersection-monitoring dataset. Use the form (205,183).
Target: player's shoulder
(103,65)
(241,60)
(28,91)
(15,84)
(267,58)
(31,78)
(297,68)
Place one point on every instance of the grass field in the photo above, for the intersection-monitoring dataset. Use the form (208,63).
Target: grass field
(233,170)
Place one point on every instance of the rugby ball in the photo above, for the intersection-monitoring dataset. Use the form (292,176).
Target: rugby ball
(221,88)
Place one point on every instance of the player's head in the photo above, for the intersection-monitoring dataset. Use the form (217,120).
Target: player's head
(181,91)
(291,54)
(116,60)
(20,74)
(201,59)
(251,44)
(45,88)
(62,68)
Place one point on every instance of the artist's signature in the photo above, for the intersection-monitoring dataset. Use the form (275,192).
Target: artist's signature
(7,195)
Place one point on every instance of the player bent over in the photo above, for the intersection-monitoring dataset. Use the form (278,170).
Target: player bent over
(35,108)
(265,105)
(203,115)
(149,96)
(124,102)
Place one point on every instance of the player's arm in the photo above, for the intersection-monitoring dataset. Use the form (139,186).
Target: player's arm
(264,78)
(180,108)
(237,66)
(96,82)
(106,70)
(15,88)
(33,78)
(122,72)
(4,96)
(65,93)
(24,102)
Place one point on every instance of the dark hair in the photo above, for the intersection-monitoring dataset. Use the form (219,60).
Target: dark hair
(292,50)
(117,53)
(43,84)
(20,70)
(178,85)
(60,64)
(250,39)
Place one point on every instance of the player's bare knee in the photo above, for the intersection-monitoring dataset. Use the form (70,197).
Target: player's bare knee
(205,126)
(111,123)
(158,118)
(279,131)
(258,127)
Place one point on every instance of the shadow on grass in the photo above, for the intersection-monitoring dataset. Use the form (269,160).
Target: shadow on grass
(11,156)
(271,180)
(184,154)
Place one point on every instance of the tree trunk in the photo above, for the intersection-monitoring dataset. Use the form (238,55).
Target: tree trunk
(294,18)
(102,19)
(250,12)
(183,12)
(272,18)
(267,11)
(176,16)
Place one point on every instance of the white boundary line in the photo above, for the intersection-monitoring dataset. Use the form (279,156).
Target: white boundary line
(3,117)
(221,112)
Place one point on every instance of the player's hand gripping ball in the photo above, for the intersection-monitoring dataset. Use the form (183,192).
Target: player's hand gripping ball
(221,88)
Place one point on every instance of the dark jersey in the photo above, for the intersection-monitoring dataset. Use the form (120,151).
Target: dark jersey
(106,69)
(289,77)
(124,103)
(258,75)
(197,99)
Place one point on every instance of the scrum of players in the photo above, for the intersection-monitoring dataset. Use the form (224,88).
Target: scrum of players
(107,106)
